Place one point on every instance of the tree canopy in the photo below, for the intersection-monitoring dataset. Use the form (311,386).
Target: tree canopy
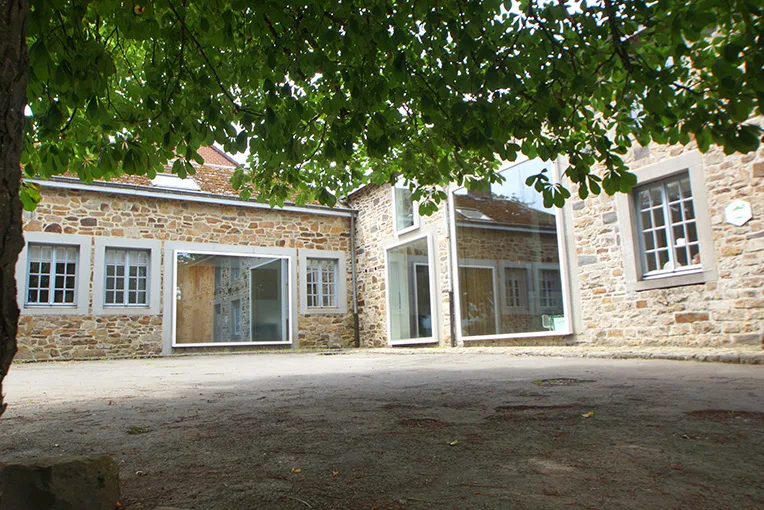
(326,95)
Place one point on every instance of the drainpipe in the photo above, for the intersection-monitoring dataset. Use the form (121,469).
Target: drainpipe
(354,279)
(451,304)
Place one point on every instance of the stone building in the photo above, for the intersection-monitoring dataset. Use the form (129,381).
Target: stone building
(140,267)
(165,266)
(677,261)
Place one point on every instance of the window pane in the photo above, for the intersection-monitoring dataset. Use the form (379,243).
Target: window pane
(658,219)
(684,185)
(661,239)
(673,191)
(663,260)
(692,232)
(206,292)
(689,210)
(647,221)
(519,231)
(649,240)
(651,262)
(656,196)
(409,291)
(676,213)
(404,208)
(694,254)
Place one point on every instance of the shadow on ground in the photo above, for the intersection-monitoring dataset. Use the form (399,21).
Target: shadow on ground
(419,431)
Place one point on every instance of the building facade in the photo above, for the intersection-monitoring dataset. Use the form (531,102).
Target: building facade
(142,267)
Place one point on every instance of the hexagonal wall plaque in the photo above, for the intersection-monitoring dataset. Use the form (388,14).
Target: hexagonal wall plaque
(738,212)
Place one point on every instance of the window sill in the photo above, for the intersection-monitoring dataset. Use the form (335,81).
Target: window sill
(324,311)
(664,281)
(513,336)
(229,344)
(413,341)
(54,310)
(124,310)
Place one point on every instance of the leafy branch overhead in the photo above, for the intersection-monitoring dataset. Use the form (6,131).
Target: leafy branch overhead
(327,96)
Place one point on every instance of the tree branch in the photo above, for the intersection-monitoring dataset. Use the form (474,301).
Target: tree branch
(182,21)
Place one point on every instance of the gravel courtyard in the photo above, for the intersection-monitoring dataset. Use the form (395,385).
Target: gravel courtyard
(366,430)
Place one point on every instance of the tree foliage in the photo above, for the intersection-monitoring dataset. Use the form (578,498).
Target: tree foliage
(328,95)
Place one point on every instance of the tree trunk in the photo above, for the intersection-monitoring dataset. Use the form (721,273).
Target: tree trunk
(14,71)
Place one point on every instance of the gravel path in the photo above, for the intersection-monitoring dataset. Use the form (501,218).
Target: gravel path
(418,431)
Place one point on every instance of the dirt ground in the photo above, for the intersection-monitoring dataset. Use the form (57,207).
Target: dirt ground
(366,430)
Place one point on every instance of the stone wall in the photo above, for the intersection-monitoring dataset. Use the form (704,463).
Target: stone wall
(725,312)
(374,224)
(374,233)
(95,214)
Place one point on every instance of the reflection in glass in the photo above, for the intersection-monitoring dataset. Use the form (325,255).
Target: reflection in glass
(404,208)
(508,258)
(408,276)
(224,299)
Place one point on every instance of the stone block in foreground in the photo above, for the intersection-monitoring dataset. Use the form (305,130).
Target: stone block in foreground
(59,483)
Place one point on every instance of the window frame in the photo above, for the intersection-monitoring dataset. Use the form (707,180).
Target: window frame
(498,295)
(538,269)
(320,283)
(668,227)
(564,240)
(414,210)
(192,248)
(126,279)
(154,281)
(82,274)
(628,222)
(431,261)
(340,281)
(527,268)
(53,275)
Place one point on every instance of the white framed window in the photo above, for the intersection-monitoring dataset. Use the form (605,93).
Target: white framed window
(510,270)
(410,288)
(257,309)
(666,229)
(53,274)
(667,226)
(323,282)
(405,212)
(127,277)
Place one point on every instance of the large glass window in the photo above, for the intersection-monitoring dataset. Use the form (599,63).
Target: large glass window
(410,303)
(508,257)
(231,299)
(52,274)
(669,235)
(127,277)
